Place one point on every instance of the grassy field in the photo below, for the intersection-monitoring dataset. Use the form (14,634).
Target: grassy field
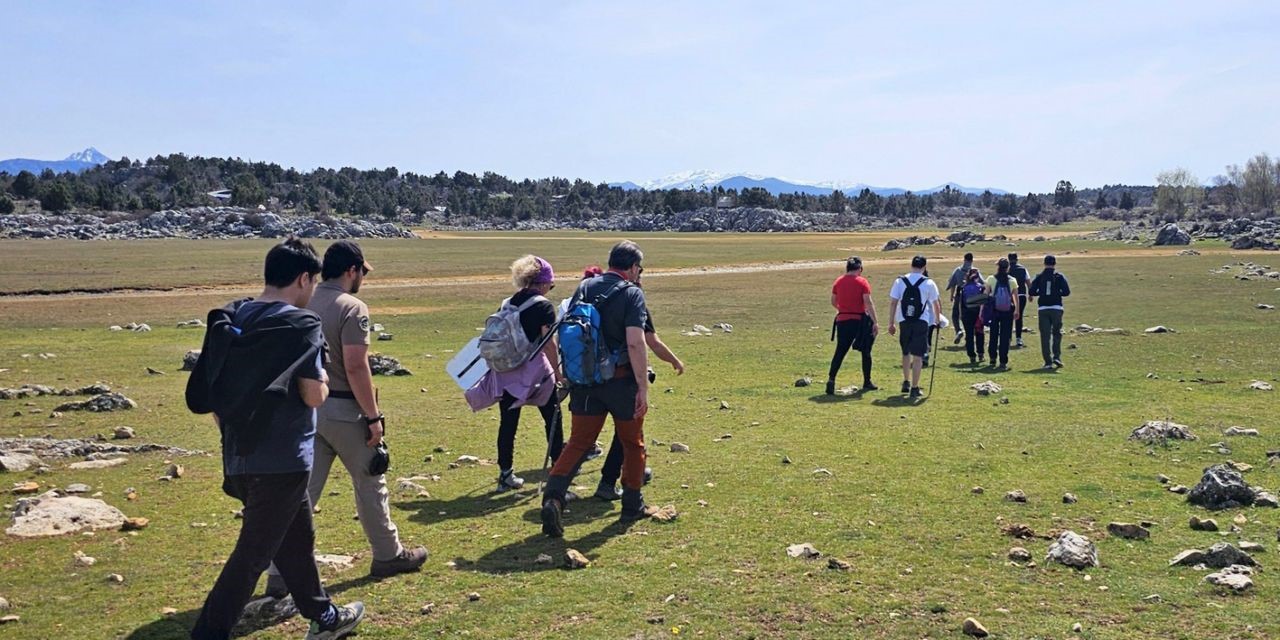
(926,552)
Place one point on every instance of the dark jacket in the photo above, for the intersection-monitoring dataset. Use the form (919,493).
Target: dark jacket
(245,372)
(1051,287)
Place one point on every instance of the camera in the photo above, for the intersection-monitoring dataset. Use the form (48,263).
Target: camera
(652,375)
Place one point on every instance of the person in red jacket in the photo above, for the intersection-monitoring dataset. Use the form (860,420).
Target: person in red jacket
(855,325)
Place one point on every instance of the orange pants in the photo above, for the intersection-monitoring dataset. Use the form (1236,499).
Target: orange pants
(582,438)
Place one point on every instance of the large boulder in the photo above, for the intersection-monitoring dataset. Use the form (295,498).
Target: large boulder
(1170,234)
(50,515)
(1221,487)
(1073,550)
(14,461)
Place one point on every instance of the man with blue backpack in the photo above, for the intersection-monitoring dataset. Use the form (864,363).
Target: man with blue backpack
(1004,310)
(913,306)
(603,354)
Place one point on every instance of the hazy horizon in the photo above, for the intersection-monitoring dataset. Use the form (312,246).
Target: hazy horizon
(911,95)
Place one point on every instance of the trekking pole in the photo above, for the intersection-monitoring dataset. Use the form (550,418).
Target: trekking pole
(933,368)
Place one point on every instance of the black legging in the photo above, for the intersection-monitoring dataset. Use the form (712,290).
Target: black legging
(1001,333)
(509,421)
(957,315)
(972,338)
(847,332)
(1022,304)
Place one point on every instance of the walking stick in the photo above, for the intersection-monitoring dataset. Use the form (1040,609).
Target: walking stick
(933,368)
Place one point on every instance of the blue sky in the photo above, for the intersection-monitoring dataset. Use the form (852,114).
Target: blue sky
(910,94)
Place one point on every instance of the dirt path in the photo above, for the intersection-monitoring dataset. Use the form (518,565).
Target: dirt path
(898,257)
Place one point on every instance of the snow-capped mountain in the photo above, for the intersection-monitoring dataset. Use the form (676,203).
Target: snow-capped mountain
(708,179)
(74,163)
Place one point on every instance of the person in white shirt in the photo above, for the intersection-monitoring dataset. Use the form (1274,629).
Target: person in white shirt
(914,306)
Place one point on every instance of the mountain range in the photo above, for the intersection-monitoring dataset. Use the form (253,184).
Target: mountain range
(777,186)
(74,163)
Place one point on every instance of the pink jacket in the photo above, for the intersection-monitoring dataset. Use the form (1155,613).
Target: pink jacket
(532,384)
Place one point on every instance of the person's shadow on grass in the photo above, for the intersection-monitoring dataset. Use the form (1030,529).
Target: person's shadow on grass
(521,556)
(476,503)
(900,401)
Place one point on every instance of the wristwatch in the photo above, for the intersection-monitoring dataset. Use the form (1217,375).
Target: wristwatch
(378,418)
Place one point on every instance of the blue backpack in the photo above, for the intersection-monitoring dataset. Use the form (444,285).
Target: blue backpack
(584,356)
(972,295)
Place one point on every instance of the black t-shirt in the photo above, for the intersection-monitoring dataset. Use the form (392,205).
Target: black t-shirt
(541,314)
(1019,273)
(624,308)
(648,321)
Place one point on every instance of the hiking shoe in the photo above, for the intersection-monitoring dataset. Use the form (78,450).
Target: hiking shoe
(959,337)
(831,387)
(276,588)
(981,358)
(633,515)
(925,360)
(408,560)
(594,453)
(906,386)
(867,386)
(1057,362)
(915,392)
(973,362)
(1048,365)
(608,492)
(552,511)
(1004,366)
(648,474)
(508,480)
(348,618)
(1019,343)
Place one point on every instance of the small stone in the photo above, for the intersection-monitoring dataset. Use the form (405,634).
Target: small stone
(977,491)
(1069,498)
(804,382)
(4,604)
(1239,431)
(122,433)
(1073,550)
(168,612)
(666,513)
(1019,554)
(724,406)
(836,564)
(1077,628)
(974,628)
(134,524)
(1240,519)
(1207,524)
(84,561)
(575,560)
(427,608)
(1128,531)
(25,488)
(154,372)
(1179,488)
(115,578)
(786,460)
(1017,495)
(1252,547)
(544,559)
(803,550)
(334,561)
(679,447)
(823,473)
(1237,582)
(473,597)
(9,619)
(986,388)
(1259,385)
(1163,479)
(174,471)
(465,459)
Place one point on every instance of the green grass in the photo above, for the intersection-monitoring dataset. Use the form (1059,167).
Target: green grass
(926,552)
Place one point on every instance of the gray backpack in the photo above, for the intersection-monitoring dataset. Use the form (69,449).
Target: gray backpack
(503,344)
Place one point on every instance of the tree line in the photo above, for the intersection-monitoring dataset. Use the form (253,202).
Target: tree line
(177,181)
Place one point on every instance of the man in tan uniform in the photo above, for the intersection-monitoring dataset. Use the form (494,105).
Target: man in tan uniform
(349,424)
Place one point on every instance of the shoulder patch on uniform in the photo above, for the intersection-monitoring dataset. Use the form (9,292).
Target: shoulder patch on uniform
(364,323)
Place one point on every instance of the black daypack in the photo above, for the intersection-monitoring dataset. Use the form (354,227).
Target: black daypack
(912,301)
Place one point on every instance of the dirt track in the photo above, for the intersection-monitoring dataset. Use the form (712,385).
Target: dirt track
(899,257)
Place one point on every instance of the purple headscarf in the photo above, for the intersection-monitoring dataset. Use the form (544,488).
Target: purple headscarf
(545,274)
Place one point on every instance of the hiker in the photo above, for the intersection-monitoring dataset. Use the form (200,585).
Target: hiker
(1019,274)
(350,425)
(972,297)
(913,305)
(855,323)
(958,279)
(606,365)
(1001,312)
(612,469)
(1050,287)
(261,374)
(517,377)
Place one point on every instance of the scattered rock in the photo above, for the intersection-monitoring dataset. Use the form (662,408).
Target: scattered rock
(1252,547)
(1234,577)
(803,550)
(1264,498)
(134,524)
(1154,431)
(1179,489)
(263,613)
(473,597)
(1265,307)
(335,562)
(1020,531)
(544,559)
(193,323)
(1073,550)
(97,464)
(1170,234)
(189,360)
(465,459)
(1207,524)
(154,372)
(122,433)
(1077,628)
(1239,431)
(1127,530)
(986,388)
(383,365)
(1221,487)
(974,628)
(81,560)
(115,578)
(836,564)
(1218,556)
(77,488)
(1069,498)
(17,462)
(51,515)
(1159,329)
(9,619)
(1019,554)
(977,491)
(804,382)
(1259,385)
(4,604)
(427,609)
(25,488)
(575,560)
(679,447)
(666,513)
(1016,495)
(724,406)
(386,337)
(100,403)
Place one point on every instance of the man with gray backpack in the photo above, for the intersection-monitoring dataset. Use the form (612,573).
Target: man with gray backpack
(913,307)
(603,355)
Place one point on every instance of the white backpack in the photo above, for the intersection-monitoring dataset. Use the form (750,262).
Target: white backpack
(503,344)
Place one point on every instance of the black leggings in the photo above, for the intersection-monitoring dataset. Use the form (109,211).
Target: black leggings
(847,332)
(1001,332)
(509,421)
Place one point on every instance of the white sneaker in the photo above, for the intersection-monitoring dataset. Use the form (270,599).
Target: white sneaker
(508,480)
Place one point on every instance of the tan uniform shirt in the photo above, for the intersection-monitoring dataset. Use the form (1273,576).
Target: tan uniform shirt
(344,319)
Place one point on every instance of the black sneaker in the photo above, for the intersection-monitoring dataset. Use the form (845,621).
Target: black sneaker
(906,386)
(867,386)
(973,362)
(959,337)
(349,617)
(552,511)
(648,474)
(633,515)
(408,560)
(831,387)
(915,392)
(607,492)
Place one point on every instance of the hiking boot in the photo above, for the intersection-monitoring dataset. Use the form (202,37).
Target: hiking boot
(608,492)
(1048,365)
(348,618)
(1004,366)
(552,512)
(1057,362)
(867,386)
(508,480)
(973,361)
(906,386)
(1019,343)
(408,560)
(276,588)
(981,358)
(648,474)
(594,453)
(915,392)
(959,337)
(637,514)
(831,387)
